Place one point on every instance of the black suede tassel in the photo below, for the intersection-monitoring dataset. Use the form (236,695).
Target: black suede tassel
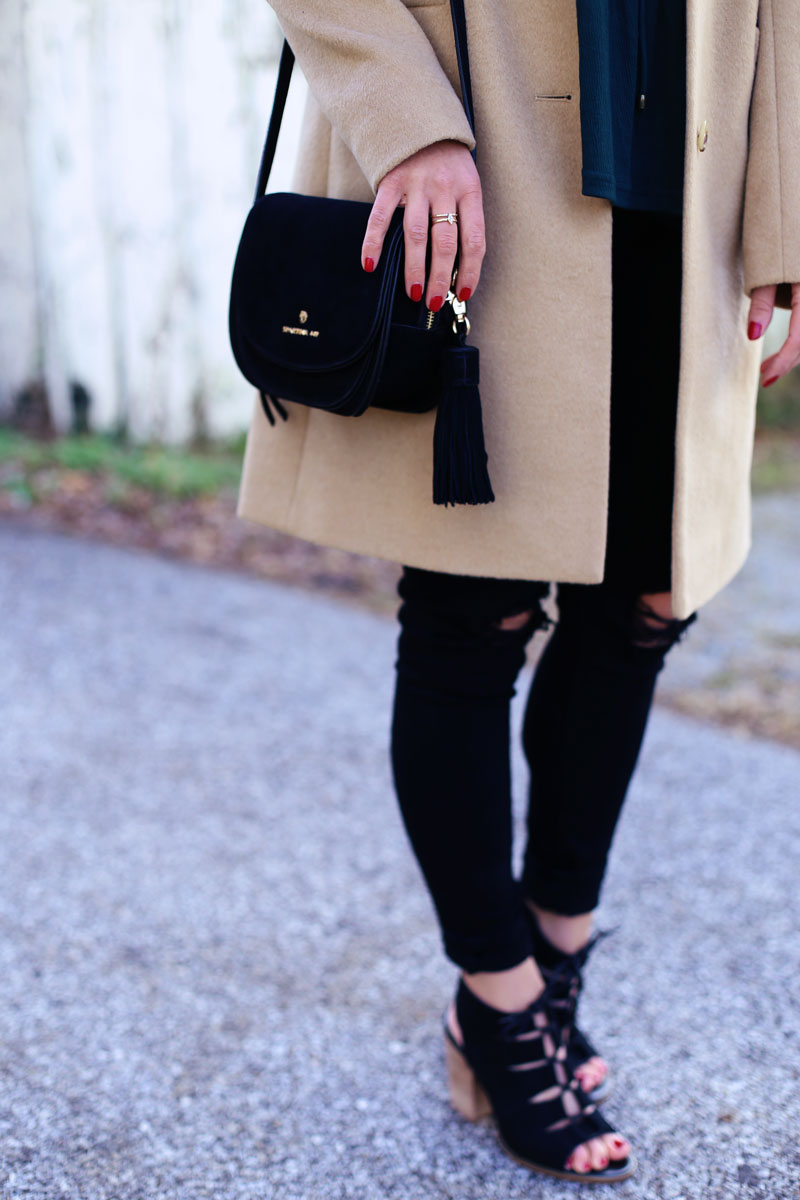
(460,471)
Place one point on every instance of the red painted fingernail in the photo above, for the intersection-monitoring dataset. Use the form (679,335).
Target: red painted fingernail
(436,303)
(369,264)
(464,294)
(754,331)
(769,382)
(416,291)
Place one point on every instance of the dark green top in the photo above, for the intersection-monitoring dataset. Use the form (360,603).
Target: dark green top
(633,101)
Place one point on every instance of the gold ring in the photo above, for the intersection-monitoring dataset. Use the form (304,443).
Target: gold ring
(451,218)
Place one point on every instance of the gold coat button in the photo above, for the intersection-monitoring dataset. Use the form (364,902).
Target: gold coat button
(702,136)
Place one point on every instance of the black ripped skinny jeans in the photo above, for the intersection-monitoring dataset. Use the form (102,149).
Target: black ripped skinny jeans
(593,686)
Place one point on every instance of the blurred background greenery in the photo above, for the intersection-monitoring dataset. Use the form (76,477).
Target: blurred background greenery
(32,467)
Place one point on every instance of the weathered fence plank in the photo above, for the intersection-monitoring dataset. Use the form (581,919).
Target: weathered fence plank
(129,144)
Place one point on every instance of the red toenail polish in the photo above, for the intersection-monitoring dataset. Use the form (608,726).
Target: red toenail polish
(416,291)
(369,264)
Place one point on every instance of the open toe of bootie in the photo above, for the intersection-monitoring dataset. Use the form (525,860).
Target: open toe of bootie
(615,1172)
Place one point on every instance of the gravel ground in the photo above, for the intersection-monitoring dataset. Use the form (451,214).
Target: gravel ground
(219,973)
(740,667)
(740,663)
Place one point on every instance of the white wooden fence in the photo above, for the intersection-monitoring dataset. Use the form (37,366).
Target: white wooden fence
(130,137)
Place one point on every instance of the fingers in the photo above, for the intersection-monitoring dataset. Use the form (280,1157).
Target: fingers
(762,306)
(444,244)
(466,237)
(788,356)
(416,221)
(386,201)
(472,235)
(439,178)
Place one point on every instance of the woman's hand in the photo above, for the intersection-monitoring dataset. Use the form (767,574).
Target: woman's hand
(440,178)
(762,305)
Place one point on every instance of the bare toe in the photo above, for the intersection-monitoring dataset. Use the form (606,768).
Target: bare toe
(618,1146)
(589,1076)
(580,1159)
(598,1152)
(599,1065)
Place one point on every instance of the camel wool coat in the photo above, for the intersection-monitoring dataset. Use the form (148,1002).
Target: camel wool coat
(383,83)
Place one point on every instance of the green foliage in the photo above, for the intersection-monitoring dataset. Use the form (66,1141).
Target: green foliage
(776,462)
(779,405)
(29,468)
(162,470)
(173,473)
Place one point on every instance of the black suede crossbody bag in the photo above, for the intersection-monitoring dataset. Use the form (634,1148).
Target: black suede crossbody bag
(309,325)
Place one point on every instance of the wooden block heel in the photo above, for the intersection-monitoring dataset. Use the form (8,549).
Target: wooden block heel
(466,1094)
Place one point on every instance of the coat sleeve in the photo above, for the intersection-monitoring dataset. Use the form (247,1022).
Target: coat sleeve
(375,75)
(771,234)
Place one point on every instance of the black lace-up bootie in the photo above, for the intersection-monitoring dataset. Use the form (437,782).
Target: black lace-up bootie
(515,1065)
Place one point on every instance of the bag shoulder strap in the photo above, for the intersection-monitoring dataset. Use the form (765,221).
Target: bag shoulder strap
(462,56)
(285,75)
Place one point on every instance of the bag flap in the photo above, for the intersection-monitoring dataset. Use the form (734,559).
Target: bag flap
(299,296)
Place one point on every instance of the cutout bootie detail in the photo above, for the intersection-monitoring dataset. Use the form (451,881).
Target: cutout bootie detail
(515,1065)
(563,973)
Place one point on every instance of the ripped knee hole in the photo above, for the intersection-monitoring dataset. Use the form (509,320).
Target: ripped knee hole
(516,621)
(652,631)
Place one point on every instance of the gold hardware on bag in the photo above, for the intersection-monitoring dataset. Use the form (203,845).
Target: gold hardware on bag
(297,330)
(459,312)
(450,298)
